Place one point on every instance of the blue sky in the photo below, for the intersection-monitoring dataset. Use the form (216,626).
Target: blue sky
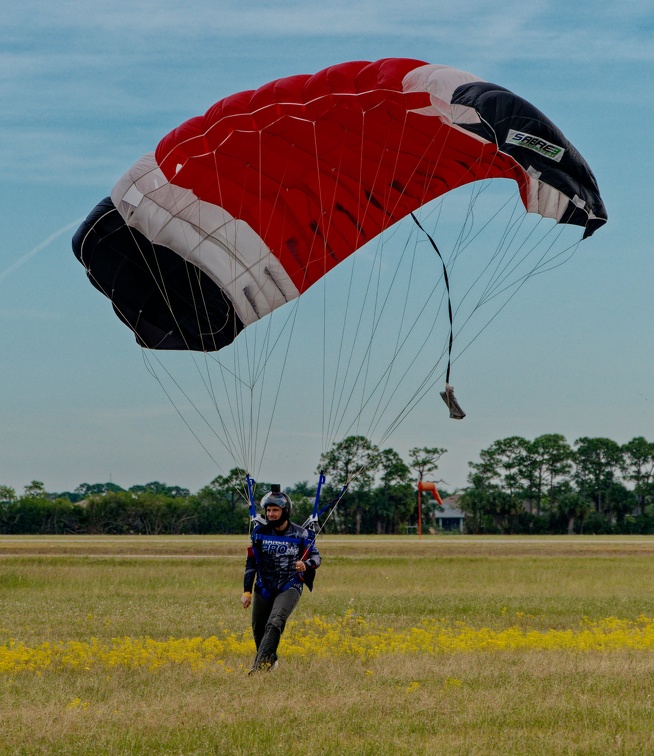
(86,89)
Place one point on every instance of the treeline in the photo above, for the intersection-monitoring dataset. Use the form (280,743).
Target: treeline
(518,486)
(106,508)
(549,486)
(381,498)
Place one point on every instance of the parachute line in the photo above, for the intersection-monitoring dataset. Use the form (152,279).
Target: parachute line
(449,299)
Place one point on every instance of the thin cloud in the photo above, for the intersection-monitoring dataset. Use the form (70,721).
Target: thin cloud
(506,31)
(35,250)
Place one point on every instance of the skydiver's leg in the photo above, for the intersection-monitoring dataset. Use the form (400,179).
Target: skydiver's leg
(261,609)
(282,607)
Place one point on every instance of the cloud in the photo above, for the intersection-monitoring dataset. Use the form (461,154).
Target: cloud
(35,250)
(77,76)
(515,29)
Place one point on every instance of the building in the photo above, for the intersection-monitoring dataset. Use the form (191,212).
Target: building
(451,517)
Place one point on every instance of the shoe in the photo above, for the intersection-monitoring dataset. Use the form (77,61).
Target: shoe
(267,665)
(263,666)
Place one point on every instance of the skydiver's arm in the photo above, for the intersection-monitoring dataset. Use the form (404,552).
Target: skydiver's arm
(312,559)
(250,571)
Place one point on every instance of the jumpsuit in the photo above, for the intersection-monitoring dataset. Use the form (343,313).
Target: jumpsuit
(271,559)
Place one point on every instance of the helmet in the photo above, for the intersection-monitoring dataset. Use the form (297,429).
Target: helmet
(277,498)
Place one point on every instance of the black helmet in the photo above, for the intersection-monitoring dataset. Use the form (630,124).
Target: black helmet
(277,498)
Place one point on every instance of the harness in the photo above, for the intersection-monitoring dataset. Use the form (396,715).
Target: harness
(304,578)
(304,545)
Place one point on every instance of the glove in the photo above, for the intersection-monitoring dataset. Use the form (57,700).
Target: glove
(246,599)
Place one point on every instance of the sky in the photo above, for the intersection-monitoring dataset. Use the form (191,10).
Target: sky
(87,88)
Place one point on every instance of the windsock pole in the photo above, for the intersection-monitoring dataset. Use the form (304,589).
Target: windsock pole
(419,511)
(426,485)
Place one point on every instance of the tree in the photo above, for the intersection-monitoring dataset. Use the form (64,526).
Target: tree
(551,456)
(84,490)
(127,512)
(575,507)
(393,500)
(483,502)
(506,466)
(393,469)
(597,461)
(638,467)
(155,487)
(223,505)
(35,490)
(302,495)
(7,494)
(513,472)
(473,503)
(504,462)
(37,513)
(424,460)
(354,459)
(621,501)
(352,462)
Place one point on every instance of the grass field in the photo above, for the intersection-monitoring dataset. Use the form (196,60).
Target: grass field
(443,645)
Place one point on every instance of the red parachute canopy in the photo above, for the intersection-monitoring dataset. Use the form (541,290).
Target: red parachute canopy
(321,164)
(242,209)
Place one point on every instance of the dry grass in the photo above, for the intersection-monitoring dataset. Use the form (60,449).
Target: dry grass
(455,545)
(526,703)
(503,702)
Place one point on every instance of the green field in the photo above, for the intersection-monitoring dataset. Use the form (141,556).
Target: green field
(445,645)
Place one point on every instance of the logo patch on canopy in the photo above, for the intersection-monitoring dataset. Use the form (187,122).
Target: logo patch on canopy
(531,142)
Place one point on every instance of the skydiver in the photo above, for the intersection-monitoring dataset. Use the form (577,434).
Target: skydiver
(283,557)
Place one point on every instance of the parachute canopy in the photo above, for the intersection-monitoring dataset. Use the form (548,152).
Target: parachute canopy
(244,208)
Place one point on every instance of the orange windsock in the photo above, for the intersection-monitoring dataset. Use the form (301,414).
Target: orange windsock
(427,485)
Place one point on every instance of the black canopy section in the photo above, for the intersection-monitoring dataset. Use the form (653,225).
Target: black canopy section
(166,301)
(519,129)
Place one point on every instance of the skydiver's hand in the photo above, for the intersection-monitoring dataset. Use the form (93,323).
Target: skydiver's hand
(300,566)
(246,599)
